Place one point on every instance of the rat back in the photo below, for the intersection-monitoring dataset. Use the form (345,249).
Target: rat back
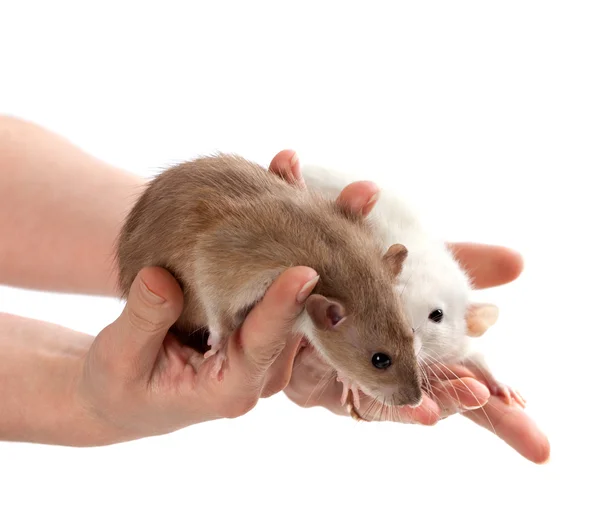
(226,224)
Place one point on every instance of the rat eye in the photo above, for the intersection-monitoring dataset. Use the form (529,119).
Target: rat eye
(381,361)
(436,315)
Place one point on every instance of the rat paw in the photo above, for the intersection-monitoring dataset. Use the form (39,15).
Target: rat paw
(218,353)
(349,385)
(215,343)
(218,365)
(478,365)
(507,393)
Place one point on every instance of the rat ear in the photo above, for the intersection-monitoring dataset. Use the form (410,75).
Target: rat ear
(326,314)
(394,258)
(480,317)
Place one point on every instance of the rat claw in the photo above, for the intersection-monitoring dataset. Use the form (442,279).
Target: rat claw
(355,397)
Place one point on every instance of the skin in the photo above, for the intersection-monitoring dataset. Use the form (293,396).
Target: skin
(134,380)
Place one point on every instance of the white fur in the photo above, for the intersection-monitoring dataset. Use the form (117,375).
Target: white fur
(430,279)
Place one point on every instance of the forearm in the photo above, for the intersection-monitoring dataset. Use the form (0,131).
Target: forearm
(60,212)
(40,368)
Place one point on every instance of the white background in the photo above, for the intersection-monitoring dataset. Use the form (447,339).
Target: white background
(486,112)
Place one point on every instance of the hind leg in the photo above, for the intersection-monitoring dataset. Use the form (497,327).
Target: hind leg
(217,353)
(219,332)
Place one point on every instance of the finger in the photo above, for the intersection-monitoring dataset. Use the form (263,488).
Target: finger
(488,265)
(514,427)
(461,394)
(286,164)
(263,334)
(359,197)
(133,341)
(280,372)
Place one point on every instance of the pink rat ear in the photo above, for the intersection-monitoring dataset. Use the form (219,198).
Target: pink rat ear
(480,317)
(326,314)
(394,258)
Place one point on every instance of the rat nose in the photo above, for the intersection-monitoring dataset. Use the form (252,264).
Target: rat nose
(407,389)
(416,398)
(411,390)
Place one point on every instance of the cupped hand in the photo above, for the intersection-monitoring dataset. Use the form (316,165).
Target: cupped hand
(313,383)
(139,380)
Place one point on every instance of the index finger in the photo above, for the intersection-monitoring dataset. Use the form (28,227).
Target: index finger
(511,424)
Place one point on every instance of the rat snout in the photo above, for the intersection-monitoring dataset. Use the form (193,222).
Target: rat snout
(415,397)
(409,390)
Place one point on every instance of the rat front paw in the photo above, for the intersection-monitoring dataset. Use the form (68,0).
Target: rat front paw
(349,385)
(218,365)
(507,393)
(478,365)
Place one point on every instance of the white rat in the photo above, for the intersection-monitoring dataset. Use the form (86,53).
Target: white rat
(435,291)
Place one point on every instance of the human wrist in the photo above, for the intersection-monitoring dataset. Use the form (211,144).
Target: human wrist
(41,367)
(72,417)
(87,422)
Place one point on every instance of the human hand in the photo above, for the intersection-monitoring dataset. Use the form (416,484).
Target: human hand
(139,380)
(313,382)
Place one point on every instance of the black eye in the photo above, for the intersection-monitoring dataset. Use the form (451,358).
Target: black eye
(436,315)
(381,361)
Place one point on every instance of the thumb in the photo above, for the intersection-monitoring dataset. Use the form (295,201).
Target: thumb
(264,333)
(154,303)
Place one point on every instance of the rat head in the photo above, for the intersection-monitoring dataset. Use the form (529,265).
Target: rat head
(365,335)
(435,295)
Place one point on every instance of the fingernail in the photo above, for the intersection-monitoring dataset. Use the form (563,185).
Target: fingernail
(152,297)
(470,407)
(296,174)
(370,203)
(307,289)
(294,159)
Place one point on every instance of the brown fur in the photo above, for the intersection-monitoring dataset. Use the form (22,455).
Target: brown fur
(226,227)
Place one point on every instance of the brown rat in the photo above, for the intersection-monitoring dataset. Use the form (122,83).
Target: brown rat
(226,228)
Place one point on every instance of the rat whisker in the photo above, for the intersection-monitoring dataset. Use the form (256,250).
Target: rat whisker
(382,406)
(447,380)
(326,385)
(427,382)
(385,410)
(439,380)
(324,377)
(439,363)
(472,394)
(372,403)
